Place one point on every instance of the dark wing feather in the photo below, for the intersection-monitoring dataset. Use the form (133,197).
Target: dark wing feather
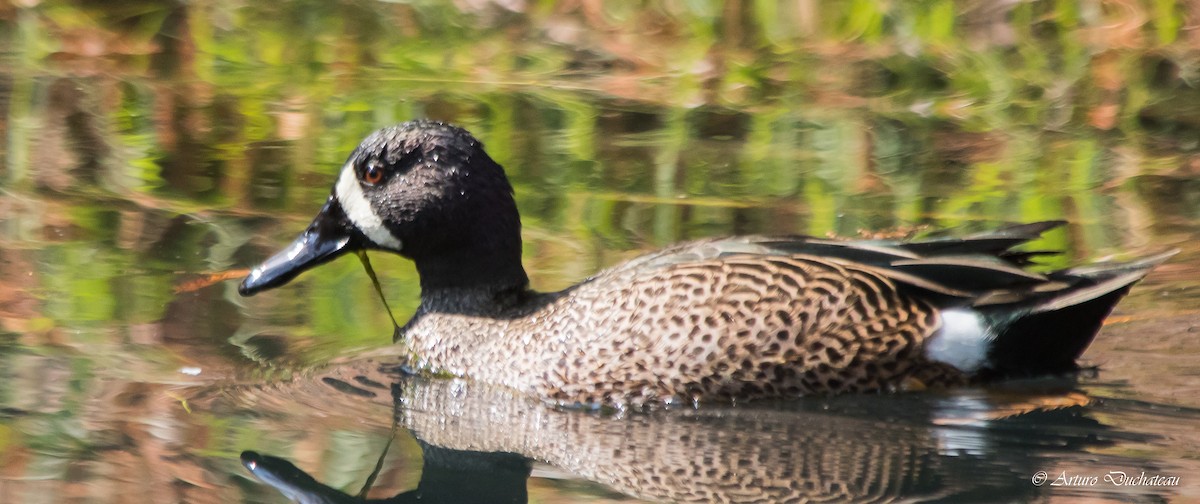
(980,267)
(994,243)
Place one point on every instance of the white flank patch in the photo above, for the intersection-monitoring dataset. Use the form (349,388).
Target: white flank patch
(359,210)
(962,341)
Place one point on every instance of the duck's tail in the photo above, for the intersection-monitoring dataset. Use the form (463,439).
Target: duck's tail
(998,318)
(1046,334)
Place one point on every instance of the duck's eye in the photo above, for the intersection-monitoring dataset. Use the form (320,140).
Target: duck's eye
(373,174)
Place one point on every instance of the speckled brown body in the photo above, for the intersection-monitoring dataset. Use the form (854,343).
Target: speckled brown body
(669,327)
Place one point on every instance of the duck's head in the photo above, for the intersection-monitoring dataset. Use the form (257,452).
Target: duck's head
(425,190)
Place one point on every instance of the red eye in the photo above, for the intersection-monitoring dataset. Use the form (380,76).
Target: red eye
(373,175)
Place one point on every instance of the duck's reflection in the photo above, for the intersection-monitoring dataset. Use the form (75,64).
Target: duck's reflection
(479,444)
(447,476)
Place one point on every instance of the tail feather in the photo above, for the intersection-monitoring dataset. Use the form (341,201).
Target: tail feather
(1046,334)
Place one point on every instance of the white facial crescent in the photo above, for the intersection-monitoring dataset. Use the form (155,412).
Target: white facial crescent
(349,193)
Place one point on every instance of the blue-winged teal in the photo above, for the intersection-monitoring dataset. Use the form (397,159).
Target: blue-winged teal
(720,318)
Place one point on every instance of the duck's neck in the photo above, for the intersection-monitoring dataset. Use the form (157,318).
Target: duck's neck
(471,247)
(483,269)
(480,274)
(493,303)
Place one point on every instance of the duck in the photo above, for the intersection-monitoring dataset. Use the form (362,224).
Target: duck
(717,319)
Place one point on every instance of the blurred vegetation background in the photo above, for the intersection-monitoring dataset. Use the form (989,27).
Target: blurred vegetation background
(150,143)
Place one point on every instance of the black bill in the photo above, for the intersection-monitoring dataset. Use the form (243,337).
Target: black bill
(330,235)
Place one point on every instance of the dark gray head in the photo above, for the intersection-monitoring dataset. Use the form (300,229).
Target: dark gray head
(425,190)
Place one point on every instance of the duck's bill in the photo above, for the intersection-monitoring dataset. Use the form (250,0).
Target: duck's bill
(330,235)
(292,482)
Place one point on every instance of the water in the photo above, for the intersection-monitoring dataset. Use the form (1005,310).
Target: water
(152,150)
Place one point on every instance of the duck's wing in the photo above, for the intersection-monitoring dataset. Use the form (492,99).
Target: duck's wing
(968,267)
